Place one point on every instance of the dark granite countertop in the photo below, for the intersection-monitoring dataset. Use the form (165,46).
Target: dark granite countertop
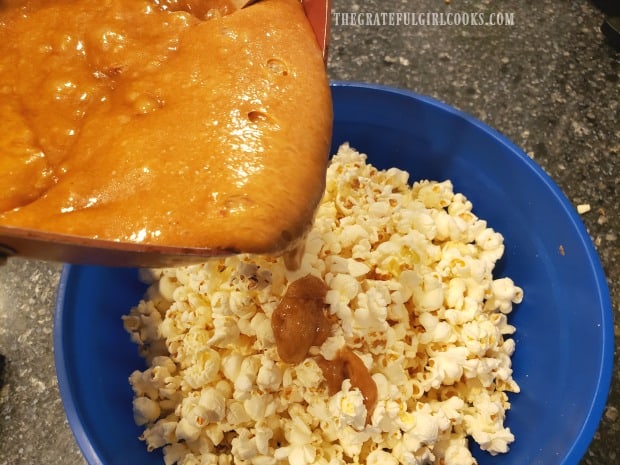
(549,82)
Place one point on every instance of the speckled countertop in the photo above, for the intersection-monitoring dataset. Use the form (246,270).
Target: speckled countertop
(549,82)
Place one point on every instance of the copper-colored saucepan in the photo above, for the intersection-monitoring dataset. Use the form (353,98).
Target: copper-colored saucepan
(82,250)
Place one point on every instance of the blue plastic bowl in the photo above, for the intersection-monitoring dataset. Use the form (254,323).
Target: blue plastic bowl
(563,360)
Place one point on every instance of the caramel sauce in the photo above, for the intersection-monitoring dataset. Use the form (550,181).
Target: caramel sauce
(294,255)
(173,122)
(347,365)
(299,322)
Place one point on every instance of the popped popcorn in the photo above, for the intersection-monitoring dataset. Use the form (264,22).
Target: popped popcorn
(410,295)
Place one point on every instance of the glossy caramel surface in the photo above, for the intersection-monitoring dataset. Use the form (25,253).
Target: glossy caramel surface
(177,123)
(299,321)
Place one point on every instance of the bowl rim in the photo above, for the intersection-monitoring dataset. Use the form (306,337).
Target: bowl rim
(65,386)
(603,382)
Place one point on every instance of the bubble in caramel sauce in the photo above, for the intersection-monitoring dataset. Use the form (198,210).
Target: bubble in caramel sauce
(277,67)
(201,9)
(347,365)
(299,321)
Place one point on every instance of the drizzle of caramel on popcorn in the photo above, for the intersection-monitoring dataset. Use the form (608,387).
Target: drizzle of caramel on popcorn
(299,321)
(347,365)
